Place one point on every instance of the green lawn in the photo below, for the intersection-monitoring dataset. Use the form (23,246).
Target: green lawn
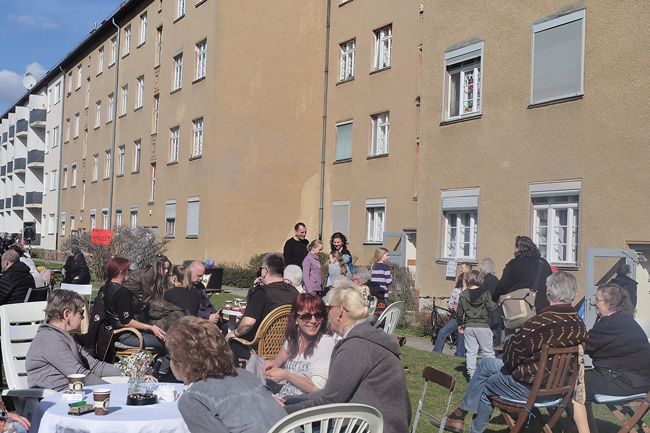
(436,397)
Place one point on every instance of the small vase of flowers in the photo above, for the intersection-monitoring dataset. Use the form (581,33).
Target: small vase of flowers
(136,367)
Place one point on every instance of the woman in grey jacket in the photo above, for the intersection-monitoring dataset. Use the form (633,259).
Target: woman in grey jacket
(365,366)
(54,354)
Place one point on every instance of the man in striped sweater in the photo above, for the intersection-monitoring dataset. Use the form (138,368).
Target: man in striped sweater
(557,325)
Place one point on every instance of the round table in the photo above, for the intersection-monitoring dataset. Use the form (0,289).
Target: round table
(52,415)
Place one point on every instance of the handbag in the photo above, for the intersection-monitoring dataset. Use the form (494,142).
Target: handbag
(519,305)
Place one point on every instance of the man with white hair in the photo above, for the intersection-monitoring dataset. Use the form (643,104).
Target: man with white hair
(557,325)
(293,275)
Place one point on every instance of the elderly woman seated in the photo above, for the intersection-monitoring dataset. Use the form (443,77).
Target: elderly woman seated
(619,350)
(302,365)
(365,366)
(54,354)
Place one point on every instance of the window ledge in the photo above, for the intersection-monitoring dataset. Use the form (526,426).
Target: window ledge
(347,80)
(75,137)
(154,134)
(169,237)
(178,19)
(77,88)
(198,79)
(157,67)
(111,65)
(108,122)
(444,260)
(342,161)
(379,70)
(64,188)
(119,175)
(565,266)
(199,3)
(194,158)
(172,163)
(122,115)
(106,178)
(381,155)
(556,101)
(138,108)
(73,186)
(192,237)
(135,172)
(126,55)
(462,119)
(66,142)
(343,3)
(96,128)
(68,94)
(140,44)
(151,203)
(93,181)
(372,243)
(175,90)
(99,73)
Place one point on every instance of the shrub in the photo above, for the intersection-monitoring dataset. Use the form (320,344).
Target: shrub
(403,286)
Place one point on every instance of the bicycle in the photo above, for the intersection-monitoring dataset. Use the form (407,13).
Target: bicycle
(439,318)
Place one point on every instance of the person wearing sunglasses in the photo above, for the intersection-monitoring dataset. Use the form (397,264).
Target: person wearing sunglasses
(302,365)
(365,366)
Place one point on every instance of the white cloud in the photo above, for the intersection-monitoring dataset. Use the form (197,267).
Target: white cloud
(11,84)
(37,70)
(32,21)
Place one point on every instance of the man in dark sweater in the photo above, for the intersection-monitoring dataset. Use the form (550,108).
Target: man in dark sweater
(557,325)
(624,281)
(295,249)
(16,279)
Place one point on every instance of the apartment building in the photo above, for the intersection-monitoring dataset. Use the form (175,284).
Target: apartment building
(533,130)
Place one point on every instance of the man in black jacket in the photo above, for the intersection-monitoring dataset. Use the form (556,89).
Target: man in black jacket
(624,281)
(16,279)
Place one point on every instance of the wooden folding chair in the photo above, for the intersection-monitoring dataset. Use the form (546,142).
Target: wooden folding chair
(629,410)
(270,335)
(560,367)
(443,379)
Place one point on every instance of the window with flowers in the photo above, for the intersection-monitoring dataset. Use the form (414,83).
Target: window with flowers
(463,82)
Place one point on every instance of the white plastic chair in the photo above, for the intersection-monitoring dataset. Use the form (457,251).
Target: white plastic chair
(390,317)
(18,326)
(333,418)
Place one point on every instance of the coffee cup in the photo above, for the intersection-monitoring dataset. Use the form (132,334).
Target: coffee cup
(102,398)
(228,304)
(76,382)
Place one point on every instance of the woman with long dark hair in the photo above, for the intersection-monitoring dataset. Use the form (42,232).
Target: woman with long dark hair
(302,365)
(75,270)
(152,281)
(339,242)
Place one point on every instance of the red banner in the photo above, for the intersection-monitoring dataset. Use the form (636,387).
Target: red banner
(100,236)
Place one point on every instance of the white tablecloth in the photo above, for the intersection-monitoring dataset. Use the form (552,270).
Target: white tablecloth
(52,415)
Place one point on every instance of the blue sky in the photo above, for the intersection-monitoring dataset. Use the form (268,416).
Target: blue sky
(37,34)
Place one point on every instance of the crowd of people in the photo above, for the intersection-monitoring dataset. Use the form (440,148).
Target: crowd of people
(332,353)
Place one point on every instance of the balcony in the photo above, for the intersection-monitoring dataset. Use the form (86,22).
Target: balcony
(35,158)
(8,203)
(2,204)
(12,129)
(10,167)
(5,137)
(37,118)
(21,128)
(17,201)
(34,199)
(19,165)
(3,171)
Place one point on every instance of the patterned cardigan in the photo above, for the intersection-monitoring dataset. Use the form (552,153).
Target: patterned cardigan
(556,325)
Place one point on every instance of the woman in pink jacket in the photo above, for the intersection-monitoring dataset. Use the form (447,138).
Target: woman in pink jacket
(311,275)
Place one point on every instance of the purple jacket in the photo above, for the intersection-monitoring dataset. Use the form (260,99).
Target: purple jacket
(312,278)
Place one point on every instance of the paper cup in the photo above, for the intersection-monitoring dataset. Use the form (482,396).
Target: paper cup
(102,398)
(76,382)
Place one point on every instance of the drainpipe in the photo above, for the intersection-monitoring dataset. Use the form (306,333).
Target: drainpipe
(58,194)
(322,160)
(112,177)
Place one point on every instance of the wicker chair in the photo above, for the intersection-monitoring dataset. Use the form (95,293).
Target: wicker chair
(270,335)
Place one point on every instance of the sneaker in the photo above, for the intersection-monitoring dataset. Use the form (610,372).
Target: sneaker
(452,425)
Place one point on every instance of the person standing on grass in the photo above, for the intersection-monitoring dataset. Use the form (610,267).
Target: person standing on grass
(381,272)
(295,248)
(312,277)
(473,315)
(452,325)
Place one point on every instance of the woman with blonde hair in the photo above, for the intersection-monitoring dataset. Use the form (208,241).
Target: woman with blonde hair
(337,268)
(365,366)
(312,278)
(216,392)
(183,295)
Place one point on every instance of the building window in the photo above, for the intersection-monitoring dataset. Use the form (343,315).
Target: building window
(93,219)
(380,134)
(125,99)
(105,219)
(343,140)
(193,217)
(178,71)
(375,220)
(140,100)
(49,100)
(51,225)
(98,117)
(201,51)
(152,197)
(95,166)
(460,219)
(348,52)
(69,83)
(558,58)
(62,223)
(383,42)
(88,92)
(85,143)
(120,163)
(57,93)
(156,111)
(79,76)
(71,222)
(74,175)
(159,32)
(556,220)
(100,63)
(181,8)
(65,177)
(45,184)
(107,164)
(53,180)
(136,156)
(170,218)
(83,194)
(341,217)
(55,137)
(134,218)
(173,144)
(111,107)
(76,125)
(118,217)
(463,83)
(127,40)
(113,51)
(67,130)
(197,146)
(143,28)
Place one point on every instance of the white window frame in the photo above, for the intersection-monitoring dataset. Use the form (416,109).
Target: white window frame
(159,32)
(53,180)
(380,133)
(170,218)
(143,28)
(122,157)
(348,53)
(460,224)
(193,203)
(559,247)
(152,196)
(111,108)
(201,50)
(95,167)
(197,142)
(137,154)
(55,137)
(463,97)
(125,99)
(375,220)
(68,127)
(79,76)
(76,125)
(57,93)
(156,113)
(341,145)
(113,50)
(65,177)
(73,181)
(178,72)
(383,47)
(52,225)
(557,67)
(62,224)
(140,101)
(174,142)
(100,64)
(45,184)
(341,226)
(134,216)
(181,8)
(107,164)
(98,117)
(105,219)
(71,222)
(93,219)
(127,40)
(118,217)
